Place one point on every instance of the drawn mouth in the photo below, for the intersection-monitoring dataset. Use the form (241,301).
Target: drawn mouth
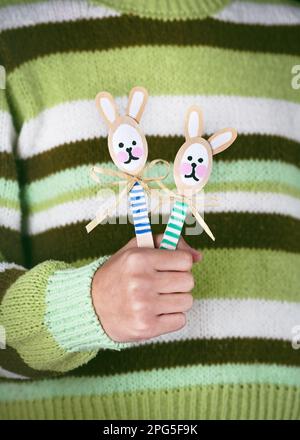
(192,175)
(130,156)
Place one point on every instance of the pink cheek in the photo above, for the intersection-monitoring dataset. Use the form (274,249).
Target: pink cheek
(185,168)
(122,156)
(201,171)
(138,152)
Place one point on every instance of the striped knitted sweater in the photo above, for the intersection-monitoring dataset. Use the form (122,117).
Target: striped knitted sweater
(236,357)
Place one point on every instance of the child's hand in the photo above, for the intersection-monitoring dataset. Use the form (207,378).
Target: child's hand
(141,293)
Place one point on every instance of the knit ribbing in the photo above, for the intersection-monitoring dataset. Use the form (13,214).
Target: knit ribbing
(22,313)
(230,402)
(70,315)
(167,9)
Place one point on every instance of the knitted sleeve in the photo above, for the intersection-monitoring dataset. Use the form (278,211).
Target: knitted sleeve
(47,319)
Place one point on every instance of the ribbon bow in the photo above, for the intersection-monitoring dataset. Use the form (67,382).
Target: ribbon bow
(129,180)
(192,206)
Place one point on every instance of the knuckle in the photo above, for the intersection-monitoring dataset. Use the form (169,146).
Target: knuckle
(138,286)
(138,306)
(134,288)
(132,259)
(142,327)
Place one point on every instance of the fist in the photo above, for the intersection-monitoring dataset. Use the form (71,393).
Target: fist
(142,293)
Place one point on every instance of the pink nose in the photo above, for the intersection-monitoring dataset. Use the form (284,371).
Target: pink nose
(201,171)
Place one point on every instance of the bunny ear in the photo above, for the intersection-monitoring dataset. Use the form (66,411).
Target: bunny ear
(193,123)
(136,103)
(222,139)
(107,107)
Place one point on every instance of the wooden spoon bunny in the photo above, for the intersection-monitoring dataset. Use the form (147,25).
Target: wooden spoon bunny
(129,151)
(192,168)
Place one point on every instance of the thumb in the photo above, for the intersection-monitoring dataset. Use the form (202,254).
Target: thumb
(182,245)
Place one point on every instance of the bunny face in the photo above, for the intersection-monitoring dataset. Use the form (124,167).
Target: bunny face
(193,162)
(126,142)
(193,165)
(128,146)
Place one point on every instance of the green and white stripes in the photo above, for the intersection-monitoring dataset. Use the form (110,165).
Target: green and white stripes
(174,226)
(183,61)
(179,377)
(159,120)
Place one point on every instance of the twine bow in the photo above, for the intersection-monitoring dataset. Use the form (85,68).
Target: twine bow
(191,204)
(129,180)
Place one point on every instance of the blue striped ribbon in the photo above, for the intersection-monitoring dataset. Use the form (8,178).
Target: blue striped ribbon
(139,212)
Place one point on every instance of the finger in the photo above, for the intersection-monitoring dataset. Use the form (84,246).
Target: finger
(157,238)
(164,260)
(169,323)
(170,282)
(174,303)
(182,245)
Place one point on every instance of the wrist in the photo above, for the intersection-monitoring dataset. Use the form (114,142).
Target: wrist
(70,313)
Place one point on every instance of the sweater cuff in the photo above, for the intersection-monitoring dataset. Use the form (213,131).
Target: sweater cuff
(70,314)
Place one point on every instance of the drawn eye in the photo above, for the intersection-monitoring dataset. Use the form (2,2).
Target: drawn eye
(200,160)
(190,158)
(121,145)
(133,142)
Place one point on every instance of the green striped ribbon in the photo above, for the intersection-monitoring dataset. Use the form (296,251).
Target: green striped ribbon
(174,226)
